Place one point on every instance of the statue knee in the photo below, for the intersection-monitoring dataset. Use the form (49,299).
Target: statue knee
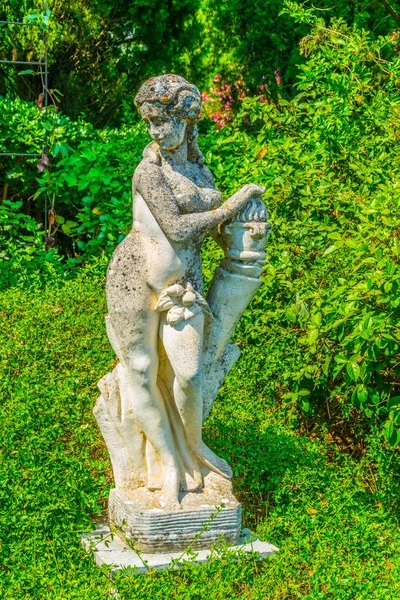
(190,381)
(142,370)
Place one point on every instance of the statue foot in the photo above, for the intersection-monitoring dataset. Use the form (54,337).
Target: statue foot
(198,477)
(192,482)
(170,503)
(154,482)
(170,490)
(214,462)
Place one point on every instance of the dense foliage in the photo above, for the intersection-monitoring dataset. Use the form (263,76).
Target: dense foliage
(101,50)
(331,165)
(86,188)
(260,41)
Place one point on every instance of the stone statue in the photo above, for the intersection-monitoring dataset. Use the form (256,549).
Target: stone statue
(173,343)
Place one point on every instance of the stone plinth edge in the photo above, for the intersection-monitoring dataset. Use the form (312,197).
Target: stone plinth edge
(109,549)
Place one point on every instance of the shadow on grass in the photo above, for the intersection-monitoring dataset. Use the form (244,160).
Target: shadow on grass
(277,469)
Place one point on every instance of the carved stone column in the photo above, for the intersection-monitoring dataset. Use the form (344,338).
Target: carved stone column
(233,286)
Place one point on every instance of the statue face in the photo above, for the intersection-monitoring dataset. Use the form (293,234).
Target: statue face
(167,130)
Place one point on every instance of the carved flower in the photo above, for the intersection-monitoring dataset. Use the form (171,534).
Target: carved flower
(182,303)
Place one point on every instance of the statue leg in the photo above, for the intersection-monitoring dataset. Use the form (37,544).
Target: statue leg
(183,345)
(137,338)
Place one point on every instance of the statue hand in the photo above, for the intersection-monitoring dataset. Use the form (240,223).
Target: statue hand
(242,197)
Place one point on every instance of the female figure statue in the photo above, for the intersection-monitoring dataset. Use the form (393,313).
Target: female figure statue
(156,310)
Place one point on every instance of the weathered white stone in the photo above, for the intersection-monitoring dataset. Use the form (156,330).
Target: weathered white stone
(140,517)
(109,549)
(173,343)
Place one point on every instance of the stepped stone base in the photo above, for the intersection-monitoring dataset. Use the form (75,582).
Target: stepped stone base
(141,519)
(109,549)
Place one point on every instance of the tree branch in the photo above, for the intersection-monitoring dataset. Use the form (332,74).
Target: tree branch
(391,11)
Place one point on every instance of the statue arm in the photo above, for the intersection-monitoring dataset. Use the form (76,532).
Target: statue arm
(158,195)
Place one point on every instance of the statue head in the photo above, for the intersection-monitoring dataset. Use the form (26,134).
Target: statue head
(171,106)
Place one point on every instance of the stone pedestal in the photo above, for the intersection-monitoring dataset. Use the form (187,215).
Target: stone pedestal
(110,550)
(139,517)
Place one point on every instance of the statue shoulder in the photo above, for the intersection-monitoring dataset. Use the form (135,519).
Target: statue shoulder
(151,154)
(149,166)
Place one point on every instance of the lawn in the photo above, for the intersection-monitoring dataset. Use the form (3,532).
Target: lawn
(333,514)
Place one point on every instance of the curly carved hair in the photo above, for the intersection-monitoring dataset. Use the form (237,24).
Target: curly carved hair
(179,98)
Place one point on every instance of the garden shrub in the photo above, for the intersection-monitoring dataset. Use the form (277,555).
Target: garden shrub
(85,190)
(23,256)
(247,46)
(329,310)
(92,188)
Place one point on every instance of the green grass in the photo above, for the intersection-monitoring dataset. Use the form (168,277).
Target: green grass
(334,516)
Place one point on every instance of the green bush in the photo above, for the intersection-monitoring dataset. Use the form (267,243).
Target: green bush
(92,189)
(85,191)
(23,251)
(242,41)
(23,256)
(329,312)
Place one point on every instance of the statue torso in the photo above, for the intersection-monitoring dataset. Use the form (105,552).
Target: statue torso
(164,262)
(193,187)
